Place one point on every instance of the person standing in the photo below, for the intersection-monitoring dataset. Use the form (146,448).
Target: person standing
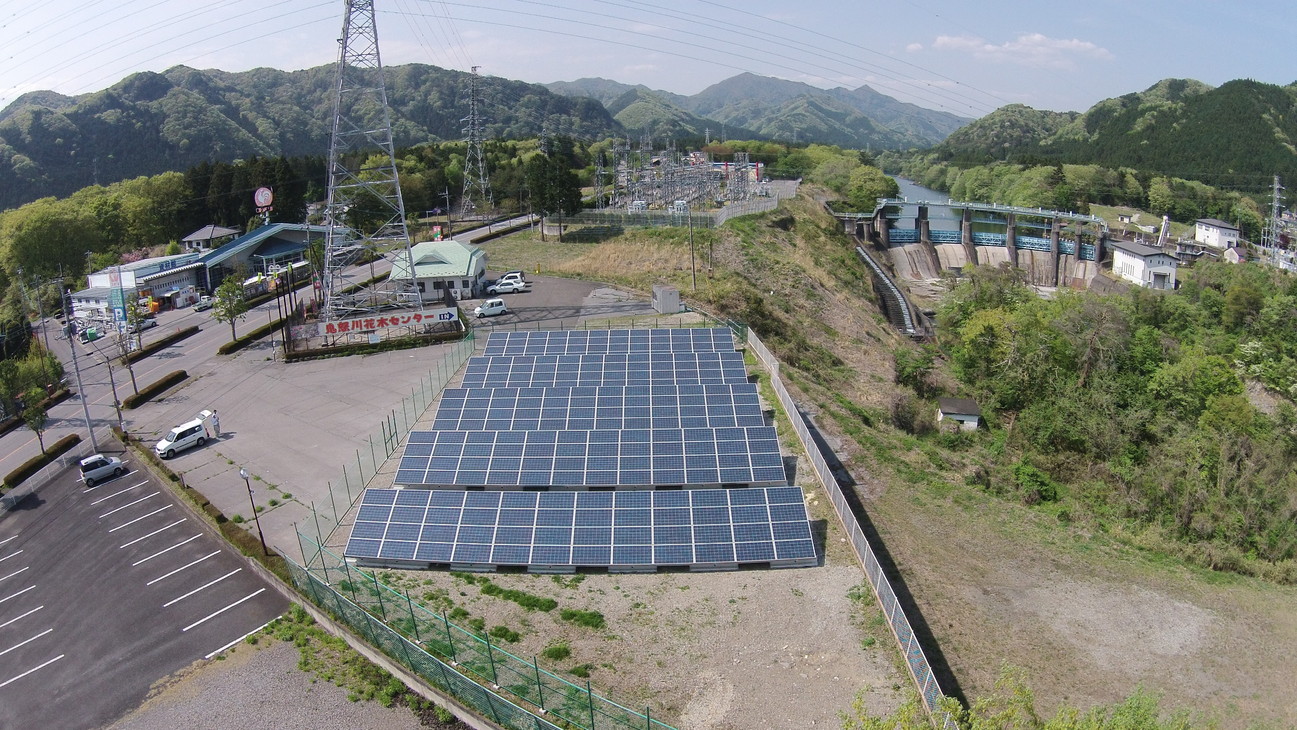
(216,423)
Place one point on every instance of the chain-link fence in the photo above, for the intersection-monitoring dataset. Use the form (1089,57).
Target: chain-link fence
(367,460)
(512,691)
(915,660)
(33,483)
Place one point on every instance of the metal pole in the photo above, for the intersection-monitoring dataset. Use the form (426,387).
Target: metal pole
(255,518)
(117,404)
(693,270)
(81,393)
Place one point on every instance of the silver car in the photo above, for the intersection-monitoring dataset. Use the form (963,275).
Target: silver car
(95,469)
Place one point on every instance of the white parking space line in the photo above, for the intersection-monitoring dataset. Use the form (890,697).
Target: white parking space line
(128,504)
(151,534)
(28,641)
(25,615)
(241,638)
(16,572)
(203,620)
(116,494)
(137,519)
(91,489)
(33,669)
(164,550)
(199,588)
(7,539)
(183,567)
(10,555)
(15,595)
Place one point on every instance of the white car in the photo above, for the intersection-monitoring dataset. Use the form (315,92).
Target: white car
(204,302)
(491,308)
(142,325)
(508,286)
(187,434)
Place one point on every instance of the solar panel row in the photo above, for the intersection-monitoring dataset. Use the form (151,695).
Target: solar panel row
(561,342)
(633,457)
(611,369)
(589,529)
(604,408)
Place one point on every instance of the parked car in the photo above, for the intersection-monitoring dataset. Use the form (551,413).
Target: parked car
(96,468)
(508,286)
(515,275)
(491,308)
(204,302)
(186,435)
(142,325)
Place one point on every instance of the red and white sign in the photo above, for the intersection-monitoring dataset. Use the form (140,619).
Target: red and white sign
(372,323)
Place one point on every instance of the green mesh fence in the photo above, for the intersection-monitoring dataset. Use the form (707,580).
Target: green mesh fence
(512,691)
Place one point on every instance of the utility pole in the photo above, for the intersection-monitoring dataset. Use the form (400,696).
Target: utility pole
(693,270)
(450,228)
(81,392)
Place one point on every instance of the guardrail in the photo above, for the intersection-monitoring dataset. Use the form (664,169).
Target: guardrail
(915,660)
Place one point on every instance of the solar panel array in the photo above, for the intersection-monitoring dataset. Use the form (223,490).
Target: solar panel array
(599,408)
(574,459)
(579,342)
(544,415)
(613,369)
(633,530)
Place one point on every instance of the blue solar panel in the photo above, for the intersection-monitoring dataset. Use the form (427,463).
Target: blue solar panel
(618,340)
(719,527)
(631,457)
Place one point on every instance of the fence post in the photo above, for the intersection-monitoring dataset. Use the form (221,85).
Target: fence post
(360,470)
(590,698)
(372,455)
(319,535)
(450,640)
(540,688)
(413,621)
(378,593)
(490,655)
(336,519)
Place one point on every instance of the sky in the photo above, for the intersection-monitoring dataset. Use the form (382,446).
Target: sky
(967,58)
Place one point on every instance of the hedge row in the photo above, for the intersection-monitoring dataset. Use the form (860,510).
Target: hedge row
(36,463)
(162,342)
(148,392)
(365,348)
(250,337)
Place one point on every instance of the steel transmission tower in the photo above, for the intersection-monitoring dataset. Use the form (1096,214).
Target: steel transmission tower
(365,215)
(475,179)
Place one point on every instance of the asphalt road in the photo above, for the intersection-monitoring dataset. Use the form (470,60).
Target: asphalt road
(104,591)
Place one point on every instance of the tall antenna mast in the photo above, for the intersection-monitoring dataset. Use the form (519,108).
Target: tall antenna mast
(365,215)
(475,180)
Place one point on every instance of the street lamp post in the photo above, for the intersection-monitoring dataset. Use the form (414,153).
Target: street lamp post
(244,473)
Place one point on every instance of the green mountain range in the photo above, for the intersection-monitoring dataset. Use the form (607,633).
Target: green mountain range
(751,106)
(1234,135)
(149,123)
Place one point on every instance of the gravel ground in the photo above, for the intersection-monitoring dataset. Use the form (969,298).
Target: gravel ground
(214,694)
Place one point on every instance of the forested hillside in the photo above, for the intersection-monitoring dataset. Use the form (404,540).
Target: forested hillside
(1148,406)
(151,123)
(1236,135)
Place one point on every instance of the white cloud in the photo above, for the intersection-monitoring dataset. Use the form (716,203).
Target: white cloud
(1029,49)
(914,47)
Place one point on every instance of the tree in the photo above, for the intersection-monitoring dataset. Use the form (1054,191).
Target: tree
(230,303)
(867,185)
(555,189)
(34,413)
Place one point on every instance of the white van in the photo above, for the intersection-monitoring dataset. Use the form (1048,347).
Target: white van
(191,433)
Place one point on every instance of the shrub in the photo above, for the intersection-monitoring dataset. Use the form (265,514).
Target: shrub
(588,619)
(152,390)
(40,461)
(557,652)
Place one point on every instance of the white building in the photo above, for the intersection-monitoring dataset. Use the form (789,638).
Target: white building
(1143,265)
(441,266)
(1215,233)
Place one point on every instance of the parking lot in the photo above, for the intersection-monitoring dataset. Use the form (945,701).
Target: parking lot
(106,590)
